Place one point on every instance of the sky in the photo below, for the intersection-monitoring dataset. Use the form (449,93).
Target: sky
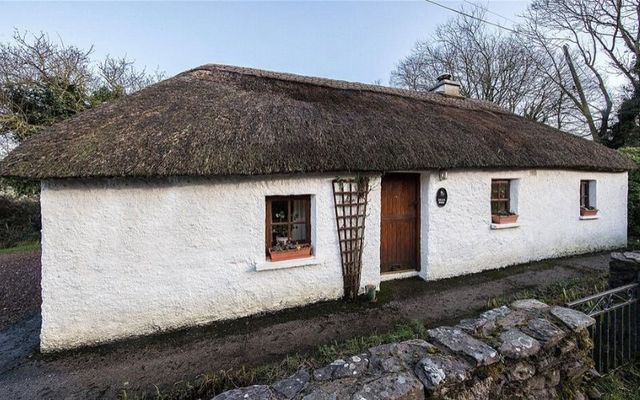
(355,41)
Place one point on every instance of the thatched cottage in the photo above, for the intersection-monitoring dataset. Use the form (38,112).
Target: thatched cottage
(224,192)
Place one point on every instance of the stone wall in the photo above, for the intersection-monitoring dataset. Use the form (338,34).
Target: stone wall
(526,351)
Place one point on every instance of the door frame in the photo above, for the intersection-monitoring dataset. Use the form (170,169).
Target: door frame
(418,220)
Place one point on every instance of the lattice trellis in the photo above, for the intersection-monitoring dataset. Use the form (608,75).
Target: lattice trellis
(351,196)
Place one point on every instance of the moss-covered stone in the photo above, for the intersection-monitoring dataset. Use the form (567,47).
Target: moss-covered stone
(408,370)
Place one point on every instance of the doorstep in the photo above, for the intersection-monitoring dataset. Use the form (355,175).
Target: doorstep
(390,276)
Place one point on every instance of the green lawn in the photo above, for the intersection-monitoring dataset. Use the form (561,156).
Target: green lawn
(22,246)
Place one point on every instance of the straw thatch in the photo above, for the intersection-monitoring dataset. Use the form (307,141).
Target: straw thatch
(219,120)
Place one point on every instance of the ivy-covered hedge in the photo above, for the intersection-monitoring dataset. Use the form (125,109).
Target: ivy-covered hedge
(634,191)
(19,220)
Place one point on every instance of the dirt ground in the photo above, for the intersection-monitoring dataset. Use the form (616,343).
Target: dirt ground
(19,286)
(137,365)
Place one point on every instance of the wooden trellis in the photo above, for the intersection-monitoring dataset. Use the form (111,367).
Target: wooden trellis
(351,196)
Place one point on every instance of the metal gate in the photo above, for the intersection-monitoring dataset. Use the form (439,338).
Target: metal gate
(615,333)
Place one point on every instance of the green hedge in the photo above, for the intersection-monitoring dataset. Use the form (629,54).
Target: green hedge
(19,220)
(634,191)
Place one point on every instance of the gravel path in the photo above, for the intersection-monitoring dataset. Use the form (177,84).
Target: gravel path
(19,286)
(137,365)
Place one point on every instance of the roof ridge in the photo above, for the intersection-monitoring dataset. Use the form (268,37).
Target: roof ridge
(215,121)
(438,98)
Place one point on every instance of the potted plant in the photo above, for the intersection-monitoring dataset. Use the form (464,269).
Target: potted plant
(289,251)
(504,217)
(588,211)
(281,231)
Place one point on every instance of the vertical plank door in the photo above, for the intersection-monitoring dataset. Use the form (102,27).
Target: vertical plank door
(399,222)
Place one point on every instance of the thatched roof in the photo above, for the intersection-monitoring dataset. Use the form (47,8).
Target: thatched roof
(219,120)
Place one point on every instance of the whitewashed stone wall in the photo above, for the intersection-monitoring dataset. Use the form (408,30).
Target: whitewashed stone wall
(129,257)
(457,239)
(123,258)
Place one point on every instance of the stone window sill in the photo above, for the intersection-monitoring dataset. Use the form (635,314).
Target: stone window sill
(504,226)
(585,218)
(298,262)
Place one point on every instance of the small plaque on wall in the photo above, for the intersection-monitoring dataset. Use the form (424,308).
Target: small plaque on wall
(441,197)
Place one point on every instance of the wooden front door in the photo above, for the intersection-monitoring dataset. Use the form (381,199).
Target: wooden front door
(399,222)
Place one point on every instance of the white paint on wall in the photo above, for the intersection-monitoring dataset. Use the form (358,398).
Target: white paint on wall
(457,239)
(123,258)
(127,257)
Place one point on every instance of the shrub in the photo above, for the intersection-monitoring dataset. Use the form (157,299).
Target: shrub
(634,191)
(19,220)
(16,187)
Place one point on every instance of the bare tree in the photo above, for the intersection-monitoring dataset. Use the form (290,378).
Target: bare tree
(121,76)
(489,65)
(586,41)
(43,81)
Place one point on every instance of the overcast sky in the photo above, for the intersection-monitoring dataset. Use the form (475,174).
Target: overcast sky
(357,41)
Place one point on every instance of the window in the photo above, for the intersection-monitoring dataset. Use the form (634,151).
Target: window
(504,202)
(288,224)
(585,201)
(588,199)
(500,196)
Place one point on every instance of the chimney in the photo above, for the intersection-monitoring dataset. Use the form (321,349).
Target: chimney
(447,86)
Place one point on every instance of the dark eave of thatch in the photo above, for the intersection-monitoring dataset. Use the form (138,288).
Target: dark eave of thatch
(225,121)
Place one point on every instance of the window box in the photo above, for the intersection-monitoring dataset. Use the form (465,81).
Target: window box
(504,219)
(588,212)
(301,251)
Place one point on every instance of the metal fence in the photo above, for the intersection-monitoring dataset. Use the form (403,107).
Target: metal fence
(615,333)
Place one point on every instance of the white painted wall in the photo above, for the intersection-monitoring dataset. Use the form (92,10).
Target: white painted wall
(123,258)
(457,238)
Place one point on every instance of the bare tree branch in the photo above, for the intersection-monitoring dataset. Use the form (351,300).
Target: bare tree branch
(44,81)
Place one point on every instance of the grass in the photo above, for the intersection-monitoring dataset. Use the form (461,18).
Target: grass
(621,384)
(22,246)
(557,293)
(209,384)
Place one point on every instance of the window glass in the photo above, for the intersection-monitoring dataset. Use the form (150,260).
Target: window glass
(280,211)
(298,233)
(498,207)
(288,220)
(585,201)
(298,213)
(500,196)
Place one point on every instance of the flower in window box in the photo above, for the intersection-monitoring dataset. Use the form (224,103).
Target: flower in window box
(504,217)
(289,251)
(588,211)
